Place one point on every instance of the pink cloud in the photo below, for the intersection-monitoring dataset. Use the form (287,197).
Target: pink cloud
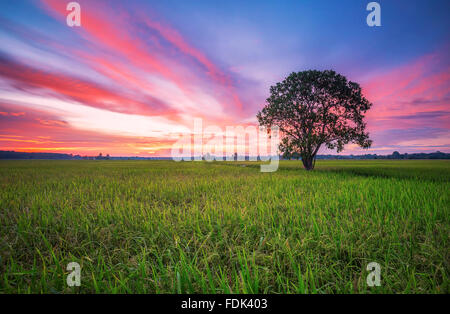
(415,89)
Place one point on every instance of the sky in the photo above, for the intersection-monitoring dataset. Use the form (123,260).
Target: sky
(137,73)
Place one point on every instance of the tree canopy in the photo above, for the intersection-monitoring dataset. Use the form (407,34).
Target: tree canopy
(314,109)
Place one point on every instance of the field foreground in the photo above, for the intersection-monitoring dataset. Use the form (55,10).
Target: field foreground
(198,227)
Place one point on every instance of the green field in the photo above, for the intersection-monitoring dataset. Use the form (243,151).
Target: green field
(198,227)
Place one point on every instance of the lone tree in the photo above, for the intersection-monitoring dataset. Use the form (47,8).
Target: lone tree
(314,108)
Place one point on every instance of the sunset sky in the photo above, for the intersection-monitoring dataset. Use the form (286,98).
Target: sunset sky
(137,72)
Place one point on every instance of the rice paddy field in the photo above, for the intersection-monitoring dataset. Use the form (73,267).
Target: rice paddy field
(224,227)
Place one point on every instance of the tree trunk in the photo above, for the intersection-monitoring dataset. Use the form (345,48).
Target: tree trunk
(308,163)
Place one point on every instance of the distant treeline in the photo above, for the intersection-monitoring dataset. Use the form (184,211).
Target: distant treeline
(22,155)
(394,155)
